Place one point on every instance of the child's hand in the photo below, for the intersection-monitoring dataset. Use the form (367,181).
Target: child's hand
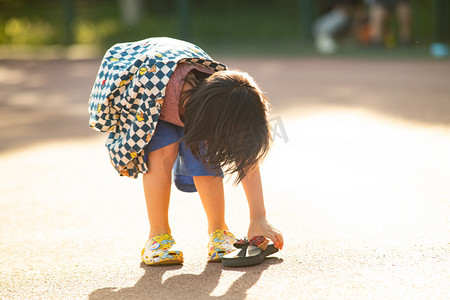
(260,226)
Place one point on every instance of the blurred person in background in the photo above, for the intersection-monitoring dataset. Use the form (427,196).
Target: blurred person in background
(341,17)
(379,11)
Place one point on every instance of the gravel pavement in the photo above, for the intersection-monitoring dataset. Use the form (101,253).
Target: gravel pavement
(358,181)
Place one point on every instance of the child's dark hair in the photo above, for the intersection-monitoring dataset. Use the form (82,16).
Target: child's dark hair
(226,114)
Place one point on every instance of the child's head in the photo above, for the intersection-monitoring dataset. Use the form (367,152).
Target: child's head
(228,113)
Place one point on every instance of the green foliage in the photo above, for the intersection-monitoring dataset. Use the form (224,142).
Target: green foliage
(99,22)
(23,31)
(245,20)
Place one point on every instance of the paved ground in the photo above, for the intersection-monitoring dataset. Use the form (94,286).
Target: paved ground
(358,182)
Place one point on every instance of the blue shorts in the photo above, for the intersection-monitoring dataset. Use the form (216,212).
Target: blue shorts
(186,165)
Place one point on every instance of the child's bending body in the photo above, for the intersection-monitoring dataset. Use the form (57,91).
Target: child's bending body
(208,121)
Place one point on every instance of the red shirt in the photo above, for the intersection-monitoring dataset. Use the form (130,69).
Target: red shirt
(170,110)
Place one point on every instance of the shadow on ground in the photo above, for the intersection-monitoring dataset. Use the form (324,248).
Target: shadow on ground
(187,286)
(44,101)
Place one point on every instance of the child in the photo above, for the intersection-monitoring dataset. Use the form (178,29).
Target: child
(167,105)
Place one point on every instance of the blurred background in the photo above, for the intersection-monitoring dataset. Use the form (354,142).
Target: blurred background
(282,26)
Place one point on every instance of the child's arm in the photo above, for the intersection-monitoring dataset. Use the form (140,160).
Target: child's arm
(258,223)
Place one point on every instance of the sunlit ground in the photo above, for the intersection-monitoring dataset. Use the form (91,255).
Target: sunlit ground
(362,175)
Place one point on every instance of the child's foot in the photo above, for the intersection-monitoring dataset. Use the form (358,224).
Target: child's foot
(220,243)
(161,250)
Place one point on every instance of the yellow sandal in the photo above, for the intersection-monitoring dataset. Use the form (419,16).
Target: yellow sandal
(161,250)
(220,243)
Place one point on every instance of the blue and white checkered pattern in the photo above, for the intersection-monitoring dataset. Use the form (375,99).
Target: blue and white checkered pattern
(128,95)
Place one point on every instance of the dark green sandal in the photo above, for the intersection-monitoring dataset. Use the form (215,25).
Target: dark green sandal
(249,253)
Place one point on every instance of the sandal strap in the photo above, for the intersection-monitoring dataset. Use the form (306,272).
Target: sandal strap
(257,241)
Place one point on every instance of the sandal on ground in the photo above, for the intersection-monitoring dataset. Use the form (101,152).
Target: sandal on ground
(220,243)
(161,250)
(249,252)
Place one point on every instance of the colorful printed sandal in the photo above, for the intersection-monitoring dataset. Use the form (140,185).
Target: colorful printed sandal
(160,250)
(220,243)
(249,253)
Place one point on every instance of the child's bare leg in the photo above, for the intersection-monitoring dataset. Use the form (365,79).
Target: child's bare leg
(210,189)
(157,188)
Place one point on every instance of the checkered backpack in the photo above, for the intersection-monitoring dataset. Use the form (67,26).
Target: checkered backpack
(128,95)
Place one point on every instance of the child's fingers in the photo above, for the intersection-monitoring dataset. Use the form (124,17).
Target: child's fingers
(276,238)
(280,241)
